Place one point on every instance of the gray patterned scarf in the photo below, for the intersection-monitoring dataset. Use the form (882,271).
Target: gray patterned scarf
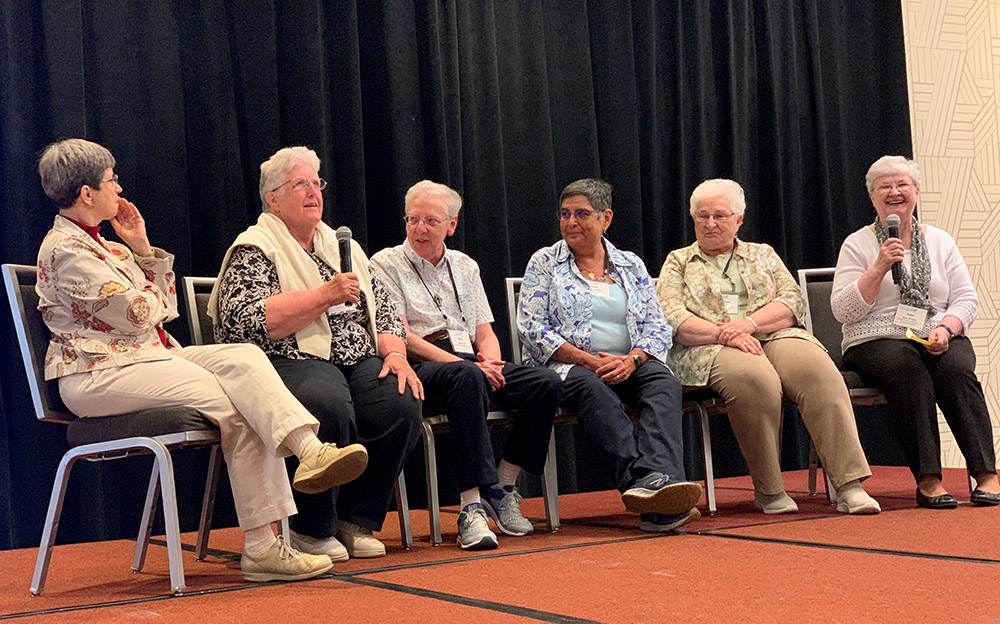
(914,283)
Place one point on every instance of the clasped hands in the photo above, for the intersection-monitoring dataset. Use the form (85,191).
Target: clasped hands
(613,369)
(493,369)
(739,334)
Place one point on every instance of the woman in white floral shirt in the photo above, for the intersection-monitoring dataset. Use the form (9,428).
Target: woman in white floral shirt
(737,318)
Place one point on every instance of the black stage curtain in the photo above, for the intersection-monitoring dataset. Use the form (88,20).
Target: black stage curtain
(506,101)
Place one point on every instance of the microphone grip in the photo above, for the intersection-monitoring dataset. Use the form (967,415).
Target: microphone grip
(345,255)
(897,271)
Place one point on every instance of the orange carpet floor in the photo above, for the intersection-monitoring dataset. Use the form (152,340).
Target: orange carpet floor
(905,565)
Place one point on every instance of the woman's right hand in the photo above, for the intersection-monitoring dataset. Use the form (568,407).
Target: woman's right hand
(343,288)
(889,254)
(745,343)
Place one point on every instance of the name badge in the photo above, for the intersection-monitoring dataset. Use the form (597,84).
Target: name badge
(460,342)
(732,303)
(908,316)
(340,308)
(599,289)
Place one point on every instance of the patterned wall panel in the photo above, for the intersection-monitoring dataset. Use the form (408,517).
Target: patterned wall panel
(953,73)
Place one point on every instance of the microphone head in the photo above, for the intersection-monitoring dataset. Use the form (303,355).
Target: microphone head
(890,221)
(344,232)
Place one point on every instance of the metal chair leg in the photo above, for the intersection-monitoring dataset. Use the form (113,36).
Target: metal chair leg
(51,523)
(148,516)
(706,448)
(208,502)
(168,494)
(430,463)
(550,485)
(813,466)
(403,510)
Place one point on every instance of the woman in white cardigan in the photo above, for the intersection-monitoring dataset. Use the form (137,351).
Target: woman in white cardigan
(908,339)
(105,304)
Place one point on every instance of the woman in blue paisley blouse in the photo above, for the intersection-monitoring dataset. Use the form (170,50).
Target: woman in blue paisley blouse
(737,316)
(336,341)
(588,311)
(105,304)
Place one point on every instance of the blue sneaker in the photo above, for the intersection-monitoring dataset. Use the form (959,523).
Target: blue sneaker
(659,523)
(658,493)
(503,504)
(473,529)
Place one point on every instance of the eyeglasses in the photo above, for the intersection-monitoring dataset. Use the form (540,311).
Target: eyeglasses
(301,184)
(428,221)
(886,187)
(580,214)
(113,178)
(703,217)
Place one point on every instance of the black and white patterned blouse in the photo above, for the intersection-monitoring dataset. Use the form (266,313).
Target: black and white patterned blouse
(251,278)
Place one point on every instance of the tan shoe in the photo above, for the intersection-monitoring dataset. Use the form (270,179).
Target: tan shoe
(329,546)
(359,541)
(329,466)
(281,562)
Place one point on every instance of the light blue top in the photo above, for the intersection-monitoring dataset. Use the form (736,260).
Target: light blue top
(730,283)
(609,333)
(555,306)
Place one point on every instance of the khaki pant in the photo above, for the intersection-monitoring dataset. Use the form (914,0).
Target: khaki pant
(752,387)
(235,387)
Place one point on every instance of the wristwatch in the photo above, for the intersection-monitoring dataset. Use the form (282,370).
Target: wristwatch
(637,360)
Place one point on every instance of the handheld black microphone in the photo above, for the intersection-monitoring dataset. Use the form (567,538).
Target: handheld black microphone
(891,222)
(344,245)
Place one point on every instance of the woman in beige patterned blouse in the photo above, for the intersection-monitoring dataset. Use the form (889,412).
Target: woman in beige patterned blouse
(737,318)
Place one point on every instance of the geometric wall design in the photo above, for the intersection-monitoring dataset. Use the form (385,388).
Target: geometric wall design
(953,77)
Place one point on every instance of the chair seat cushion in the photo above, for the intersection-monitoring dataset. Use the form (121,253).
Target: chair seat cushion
(148,423)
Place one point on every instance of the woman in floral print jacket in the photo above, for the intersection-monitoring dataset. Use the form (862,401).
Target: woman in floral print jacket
(737,318)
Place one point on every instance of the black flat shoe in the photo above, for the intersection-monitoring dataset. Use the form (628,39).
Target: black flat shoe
(944,501)
(985,499)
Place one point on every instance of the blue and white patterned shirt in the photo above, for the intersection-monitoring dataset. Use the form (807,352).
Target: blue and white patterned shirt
(394,266)
(555,306)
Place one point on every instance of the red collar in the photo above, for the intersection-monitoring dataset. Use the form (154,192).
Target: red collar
(93,230)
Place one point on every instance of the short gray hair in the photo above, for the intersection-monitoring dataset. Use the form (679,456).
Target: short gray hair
(597,192)
(65,166)
(452,200)
(274,168)
(890,165)
(720,186)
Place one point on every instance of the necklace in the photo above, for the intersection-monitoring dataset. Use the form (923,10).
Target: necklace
(591,275)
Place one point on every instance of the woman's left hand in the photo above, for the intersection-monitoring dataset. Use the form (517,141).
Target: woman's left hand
(940,338)
(400,367)
(131,227)
(616,370)
(728,331)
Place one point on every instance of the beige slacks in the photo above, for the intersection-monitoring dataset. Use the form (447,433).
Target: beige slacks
(752,387)
(235,387)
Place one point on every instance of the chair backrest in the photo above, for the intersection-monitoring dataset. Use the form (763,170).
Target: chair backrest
(817,284)
(197,291)
(33,339)
(513,285)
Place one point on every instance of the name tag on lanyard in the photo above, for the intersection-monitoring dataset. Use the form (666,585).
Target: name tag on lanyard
(460,342)
(599,289)
(732,303)
(909,316)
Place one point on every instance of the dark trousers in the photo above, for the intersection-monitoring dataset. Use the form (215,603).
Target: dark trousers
(913,380)
(460,391)
(656,445)
(352,405)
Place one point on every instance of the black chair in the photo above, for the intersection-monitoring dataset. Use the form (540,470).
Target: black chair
(156,431)
(197,291)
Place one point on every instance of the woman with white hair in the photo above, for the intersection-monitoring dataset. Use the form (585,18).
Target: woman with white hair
(905,333)
(105,304)
(737,315)
(336,341)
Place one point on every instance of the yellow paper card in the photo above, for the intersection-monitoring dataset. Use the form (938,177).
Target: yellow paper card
(916,338)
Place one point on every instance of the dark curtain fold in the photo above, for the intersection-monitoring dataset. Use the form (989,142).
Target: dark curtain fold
(505,101)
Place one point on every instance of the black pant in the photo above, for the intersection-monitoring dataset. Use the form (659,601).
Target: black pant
(657,445)
(913,380)
(352,405)
(460,391)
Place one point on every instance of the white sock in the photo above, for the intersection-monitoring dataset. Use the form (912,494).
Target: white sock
(469,496)
(301,441)
(257,540)
(507,473)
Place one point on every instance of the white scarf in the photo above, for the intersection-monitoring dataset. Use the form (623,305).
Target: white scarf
(297,271)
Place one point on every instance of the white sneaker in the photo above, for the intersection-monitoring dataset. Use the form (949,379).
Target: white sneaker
(473,531)
(779,503)
(281,562)
(328,546)
(358,541)
(852,499)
